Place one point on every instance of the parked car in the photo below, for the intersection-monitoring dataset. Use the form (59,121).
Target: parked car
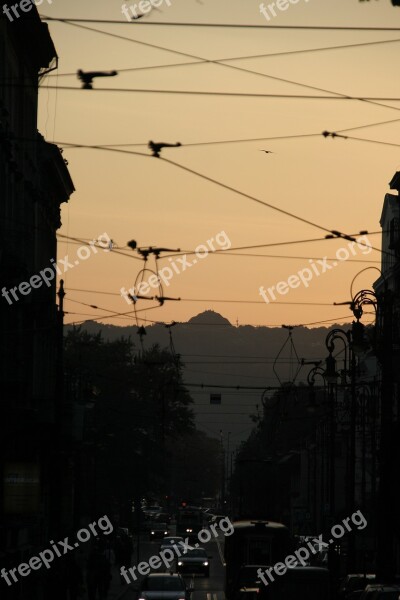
(194,561)
(164,586)
(354,582)
(380,591)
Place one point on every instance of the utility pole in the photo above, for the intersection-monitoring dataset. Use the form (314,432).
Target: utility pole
(385,551)
(332,453)
(352,456)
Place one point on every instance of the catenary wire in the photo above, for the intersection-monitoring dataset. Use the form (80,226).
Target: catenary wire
(245,70)
(223,25)
(272,325)
(71,146)
(342,96)
(228,94)
(239,192)
(253,255)
(235,58)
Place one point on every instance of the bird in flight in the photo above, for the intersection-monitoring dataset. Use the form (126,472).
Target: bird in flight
(267,151)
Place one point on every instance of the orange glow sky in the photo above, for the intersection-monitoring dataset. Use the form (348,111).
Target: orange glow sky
(339,184)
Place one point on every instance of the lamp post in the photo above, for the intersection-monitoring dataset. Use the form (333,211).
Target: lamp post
(316,371)
(383,345)
(312,374)
(331,376)
(387,505)
(365,408)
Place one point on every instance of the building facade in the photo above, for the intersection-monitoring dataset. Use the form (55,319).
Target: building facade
(34,182)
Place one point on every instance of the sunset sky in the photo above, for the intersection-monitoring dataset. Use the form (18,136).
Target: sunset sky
(338,184)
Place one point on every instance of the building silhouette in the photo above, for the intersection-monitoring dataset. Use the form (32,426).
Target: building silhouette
(34,428)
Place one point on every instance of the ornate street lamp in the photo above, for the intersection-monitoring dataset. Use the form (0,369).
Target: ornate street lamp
(331,376)
(312,374)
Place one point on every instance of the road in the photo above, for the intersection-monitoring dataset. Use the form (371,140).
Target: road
(205,588)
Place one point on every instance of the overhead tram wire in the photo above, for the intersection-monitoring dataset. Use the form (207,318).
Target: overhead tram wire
(274,256)
(136,23)
(71,146)
(379,123)
(250,197)
(281,256)
(232,189)
(118,147)
(234,58)
(383,143)
(86,291)
(229,94)
(95,307)
(85,243)
(163,48)
(272,325)
(235,190)
(268,205)
(216,300)
(225,301)
(116,315)
(251,247)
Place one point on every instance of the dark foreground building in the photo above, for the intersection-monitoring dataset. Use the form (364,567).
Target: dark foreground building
(35,463)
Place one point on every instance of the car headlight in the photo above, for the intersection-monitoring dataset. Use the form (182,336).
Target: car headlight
(189,530)
(152,533)
(165,532)
(205,564)
(180,563)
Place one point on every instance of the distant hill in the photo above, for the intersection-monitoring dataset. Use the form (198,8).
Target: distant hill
(217,353)
(209,317)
